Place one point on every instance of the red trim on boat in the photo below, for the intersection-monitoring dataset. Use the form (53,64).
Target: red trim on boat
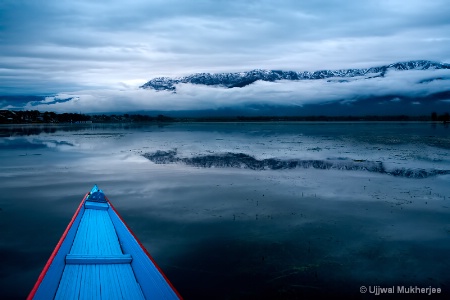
(55,251)
(145,250)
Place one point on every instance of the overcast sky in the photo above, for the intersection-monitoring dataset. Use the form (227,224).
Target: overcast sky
(65,46)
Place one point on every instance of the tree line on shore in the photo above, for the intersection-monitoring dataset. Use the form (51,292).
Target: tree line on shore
(443,118)
(35,116)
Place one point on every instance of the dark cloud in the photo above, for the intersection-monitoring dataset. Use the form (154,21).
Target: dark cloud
(66,46)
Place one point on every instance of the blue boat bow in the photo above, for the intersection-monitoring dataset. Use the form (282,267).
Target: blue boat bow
(99,257)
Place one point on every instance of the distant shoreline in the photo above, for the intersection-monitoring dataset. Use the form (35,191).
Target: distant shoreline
(36,117)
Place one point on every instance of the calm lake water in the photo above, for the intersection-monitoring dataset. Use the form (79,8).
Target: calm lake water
(241,210)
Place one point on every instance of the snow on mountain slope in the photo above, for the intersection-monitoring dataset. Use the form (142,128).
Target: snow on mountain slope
(241,79)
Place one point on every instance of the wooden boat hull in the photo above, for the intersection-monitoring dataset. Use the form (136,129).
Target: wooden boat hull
(99,257)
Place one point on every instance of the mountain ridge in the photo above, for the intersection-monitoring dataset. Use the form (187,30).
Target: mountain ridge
(242,79)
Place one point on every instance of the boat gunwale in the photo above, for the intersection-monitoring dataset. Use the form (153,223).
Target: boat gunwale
(56,250)
(145,250)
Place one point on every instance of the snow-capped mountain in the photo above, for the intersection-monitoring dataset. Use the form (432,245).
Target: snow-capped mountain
(241,79)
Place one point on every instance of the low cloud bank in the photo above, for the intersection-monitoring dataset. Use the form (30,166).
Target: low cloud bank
(407,84)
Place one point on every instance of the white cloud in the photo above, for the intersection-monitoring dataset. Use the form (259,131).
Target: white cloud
(197,97)
(57,46)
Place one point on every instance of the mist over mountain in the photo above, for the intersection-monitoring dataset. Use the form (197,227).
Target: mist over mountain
(411,88)
(406,88)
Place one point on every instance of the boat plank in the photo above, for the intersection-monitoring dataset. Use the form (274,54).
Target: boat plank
(112,283)
(64,286)
(96,235)
(96,205)
(90,259)
(77,283)
(84,284)
(130,281)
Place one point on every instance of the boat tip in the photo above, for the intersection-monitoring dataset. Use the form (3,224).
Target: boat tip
(94,189)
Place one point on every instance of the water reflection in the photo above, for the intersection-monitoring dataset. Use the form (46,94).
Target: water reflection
(37,129)
(20,143)
(234,233)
